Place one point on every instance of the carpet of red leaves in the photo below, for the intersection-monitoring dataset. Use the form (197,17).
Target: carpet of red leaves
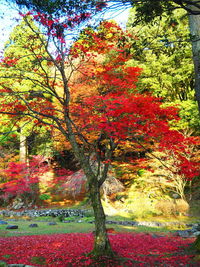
(68,249)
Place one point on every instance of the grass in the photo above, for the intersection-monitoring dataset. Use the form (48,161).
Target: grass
(44,228)
(71,227)
(84,226)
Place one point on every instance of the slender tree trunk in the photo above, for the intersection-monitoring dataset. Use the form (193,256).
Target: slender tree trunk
(102,245)
(194,25)
(23,150)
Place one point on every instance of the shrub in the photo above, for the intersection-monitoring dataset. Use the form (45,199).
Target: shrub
(172,207)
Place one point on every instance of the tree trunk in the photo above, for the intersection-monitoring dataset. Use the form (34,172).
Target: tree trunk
(194,25)
(102,245)
(23,150)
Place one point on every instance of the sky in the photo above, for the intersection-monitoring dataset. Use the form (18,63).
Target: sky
(9,18)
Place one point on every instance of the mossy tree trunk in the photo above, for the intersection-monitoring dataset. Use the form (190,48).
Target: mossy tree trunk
(102,246)
(95,179)
(194,25)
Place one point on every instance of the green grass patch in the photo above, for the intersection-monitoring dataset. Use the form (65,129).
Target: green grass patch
(44,228)
(71,227)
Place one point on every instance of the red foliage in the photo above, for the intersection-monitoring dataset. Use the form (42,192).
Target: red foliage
(21,176)
(68,250)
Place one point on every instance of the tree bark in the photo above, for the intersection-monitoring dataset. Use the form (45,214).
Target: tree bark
(23,150)
(194,25)
(102,246)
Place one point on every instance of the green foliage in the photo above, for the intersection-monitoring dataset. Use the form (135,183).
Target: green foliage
(139,204)
(189,114)
(162,49)
(44,196)
(28,74)
(150,9)
(58,7)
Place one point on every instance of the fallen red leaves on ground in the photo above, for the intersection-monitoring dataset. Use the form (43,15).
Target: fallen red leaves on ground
(68,250)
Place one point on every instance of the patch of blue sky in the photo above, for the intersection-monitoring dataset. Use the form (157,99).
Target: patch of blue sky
(9,18)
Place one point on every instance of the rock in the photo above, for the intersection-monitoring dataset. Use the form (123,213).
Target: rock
(38,213)
(196,227)
(12,227)
(52,223)
(18,204)
(3,222)
(195,234)
(150,224)
(184,233)
(33,225)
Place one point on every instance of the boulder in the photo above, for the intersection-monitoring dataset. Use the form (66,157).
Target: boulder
(3,222)
(52,223)
(33,225)
(9,227)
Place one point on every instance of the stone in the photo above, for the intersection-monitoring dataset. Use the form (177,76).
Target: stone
(46,212)
(52,223)
(197,227)
(9,227)
(69,221)
(195,234)
(183,233)
(33,225)
(3,222)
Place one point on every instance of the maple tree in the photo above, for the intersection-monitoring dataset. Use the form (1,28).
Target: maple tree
(116,113)
(20,180)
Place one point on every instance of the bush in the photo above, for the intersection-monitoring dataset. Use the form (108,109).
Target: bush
(44,197)
(172,207)
(140,205)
